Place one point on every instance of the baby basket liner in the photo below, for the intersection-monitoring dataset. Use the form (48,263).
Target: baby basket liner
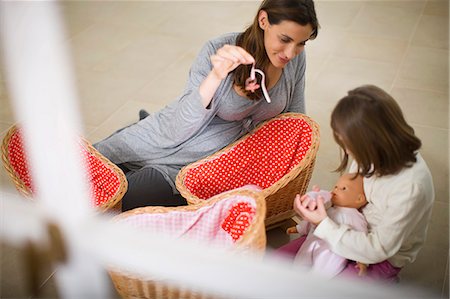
(222,222)
(233,220)
(267,155)
(107,181)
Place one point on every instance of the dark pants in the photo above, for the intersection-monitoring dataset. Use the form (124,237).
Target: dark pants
(147,187)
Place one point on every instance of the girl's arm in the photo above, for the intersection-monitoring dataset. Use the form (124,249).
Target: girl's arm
(397,222)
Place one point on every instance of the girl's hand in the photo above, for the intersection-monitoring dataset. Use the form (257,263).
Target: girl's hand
(311,210)
(228,58)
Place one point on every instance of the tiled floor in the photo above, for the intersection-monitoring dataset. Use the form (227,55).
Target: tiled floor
(132,55)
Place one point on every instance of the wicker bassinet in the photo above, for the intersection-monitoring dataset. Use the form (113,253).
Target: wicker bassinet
(234,219)
(278,156)
(108,182)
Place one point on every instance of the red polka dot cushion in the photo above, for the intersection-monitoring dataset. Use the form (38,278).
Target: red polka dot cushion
(107,182)
(262,159)
(278,156)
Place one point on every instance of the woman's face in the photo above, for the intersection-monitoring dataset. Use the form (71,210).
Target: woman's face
(283,41)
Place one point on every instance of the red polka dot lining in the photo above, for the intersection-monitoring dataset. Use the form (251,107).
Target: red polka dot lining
(238,220)
(262,159)
(103,180)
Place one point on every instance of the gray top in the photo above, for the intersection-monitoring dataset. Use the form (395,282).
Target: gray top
(184,131)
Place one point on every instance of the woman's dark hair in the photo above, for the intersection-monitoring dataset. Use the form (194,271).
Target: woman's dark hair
(252,39)
(369,124)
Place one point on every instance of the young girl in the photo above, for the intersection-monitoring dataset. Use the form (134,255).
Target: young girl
(370,128)
(217,106)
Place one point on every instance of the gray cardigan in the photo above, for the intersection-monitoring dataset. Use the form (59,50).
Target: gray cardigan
(184,131)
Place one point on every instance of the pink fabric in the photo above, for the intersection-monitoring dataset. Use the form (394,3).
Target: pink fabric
(383,271)
(221,224)
(315,253)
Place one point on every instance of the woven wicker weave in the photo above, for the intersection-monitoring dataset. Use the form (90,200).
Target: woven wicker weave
(109,173)
(280,195)
(252,241)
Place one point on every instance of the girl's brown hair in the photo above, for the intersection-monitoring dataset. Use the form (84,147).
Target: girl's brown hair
(252,39)
(369,124)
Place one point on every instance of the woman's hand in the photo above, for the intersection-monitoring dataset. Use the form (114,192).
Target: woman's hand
(311,210)
(228,58)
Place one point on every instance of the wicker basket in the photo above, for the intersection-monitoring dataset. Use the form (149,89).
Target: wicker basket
(108,182)
(255,160)
(251,241)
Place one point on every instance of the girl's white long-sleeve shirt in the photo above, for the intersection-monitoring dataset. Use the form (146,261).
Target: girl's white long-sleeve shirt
(398,213)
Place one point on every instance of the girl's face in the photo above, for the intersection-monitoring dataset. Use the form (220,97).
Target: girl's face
(283,41)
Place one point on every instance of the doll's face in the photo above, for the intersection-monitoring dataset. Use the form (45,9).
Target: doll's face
(348,193)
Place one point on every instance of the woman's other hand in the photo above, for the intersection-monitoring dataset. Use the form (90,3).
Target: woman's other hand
(309,209)
(228,58)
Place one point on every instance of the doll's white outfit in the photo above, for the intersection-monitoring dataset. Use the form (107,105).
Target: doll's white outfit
(315,254)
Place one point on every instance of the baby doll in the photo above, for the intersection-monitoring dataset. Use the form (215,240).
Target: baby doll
(345,200)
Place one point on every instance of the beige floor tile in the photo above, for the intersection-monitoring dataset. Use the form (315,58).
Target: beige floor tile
(372,48)
(168,84)
(424,68)
(101,40)
(320,112)
(328,41)
(144,58)
(102,93)
(126,115)
(429,269)
(80,15)
(432,32)
(4,126)
(436,8)
(425,108)
(410,6)
(445,290)
(145,14)
(315,65)
(88,129)
(14,273)
(435,152)
(219,18)
(6,183)
(427,272)
(13,277)
(391,21)
(438,231)
(328,155)
(337,14)
(342,74)
(277,237)
(323,174)
(6,111)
